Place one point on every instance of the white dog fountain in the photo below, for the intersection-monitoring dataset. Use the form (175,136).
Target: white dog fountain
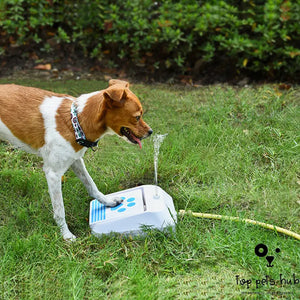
(141,206)
(146,205)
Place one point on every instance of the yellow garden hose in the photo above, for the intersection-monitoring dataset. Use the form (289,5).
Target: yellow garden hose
(237,219)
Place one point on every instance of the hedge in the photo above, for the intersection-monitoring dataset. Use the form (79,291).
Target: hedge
(261,37)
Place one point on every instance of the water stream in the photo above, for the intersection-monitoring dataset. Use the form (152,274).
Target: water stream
(157,140)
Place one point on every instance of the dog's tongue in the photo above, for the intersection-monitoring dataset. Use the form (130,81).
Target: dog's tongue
(137,140)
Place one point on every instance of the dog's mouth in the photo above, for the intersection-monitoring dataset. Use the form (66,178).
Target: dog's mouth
(131,136)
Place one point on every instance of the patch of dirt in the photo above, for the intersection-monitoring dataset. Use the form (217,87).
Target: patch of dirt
(62,68)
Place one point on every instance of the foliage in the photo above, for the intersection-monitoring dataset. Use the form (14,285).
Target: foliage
(257,36)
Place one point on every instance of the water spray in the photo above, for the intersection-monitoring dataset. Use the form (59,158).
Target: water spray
(157,141)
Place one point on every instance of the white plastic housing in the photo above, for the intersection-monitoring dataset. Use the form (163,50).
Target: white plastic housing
(144,205)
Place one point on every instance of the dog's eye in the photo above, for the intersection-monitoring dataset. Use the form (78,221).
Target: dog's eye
(138,118)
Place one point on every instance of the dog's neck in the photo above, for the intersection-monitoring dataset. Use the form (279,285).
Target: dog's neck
(91,111)
(78,131)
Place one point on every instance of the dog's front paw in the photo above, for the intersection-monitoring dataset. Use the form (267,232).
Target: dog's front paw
(115,201)
(112,202)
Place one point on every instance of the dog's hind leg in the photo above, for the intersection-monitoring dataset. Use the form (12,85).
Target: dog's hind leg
(54,185)
(81,172)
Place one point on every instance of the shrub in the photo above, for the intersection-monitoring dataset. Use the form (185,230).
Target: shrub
(182,36)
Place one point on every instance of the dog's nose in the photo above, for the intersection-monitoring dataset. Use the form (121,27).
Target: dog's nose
(150,131)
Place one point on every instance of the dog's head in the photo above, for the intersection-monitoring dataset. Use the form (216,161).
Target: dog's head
(124,113)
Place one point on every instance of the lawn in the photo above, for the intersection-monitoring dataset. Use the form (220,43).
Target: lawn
(229,151)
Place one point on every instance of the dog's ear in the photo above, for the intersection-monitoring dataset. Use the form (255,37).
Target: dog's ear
(115,95)
(119,82)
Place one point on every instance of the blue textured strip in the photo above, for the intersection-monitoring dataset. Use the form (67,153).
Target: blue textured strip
(102,212)
(98,211)
(92,213)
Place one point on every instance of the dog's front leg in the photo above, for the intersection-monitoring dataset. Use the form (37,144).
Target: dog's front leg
(54,186)
(82,173)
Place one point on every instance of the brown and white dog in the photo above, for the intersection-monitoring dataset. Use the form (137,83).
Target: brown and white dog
(41,122)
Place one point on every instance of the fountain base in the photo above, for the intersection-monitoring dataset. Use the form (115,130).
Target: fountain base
(140,207)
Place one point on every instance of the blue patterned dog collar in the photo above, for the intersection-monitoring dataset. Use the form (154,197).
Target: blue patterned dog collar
(79,134)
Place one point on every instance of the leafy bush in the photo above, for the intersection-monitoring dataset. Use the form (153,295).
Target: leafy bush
(184,36)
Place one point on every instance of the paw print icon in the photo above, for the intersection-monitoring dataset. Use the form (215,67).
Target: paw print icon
(126,204)
(261,250)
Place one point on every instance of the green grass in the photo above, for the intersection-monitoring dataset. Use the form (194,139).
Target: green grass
(228,151)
